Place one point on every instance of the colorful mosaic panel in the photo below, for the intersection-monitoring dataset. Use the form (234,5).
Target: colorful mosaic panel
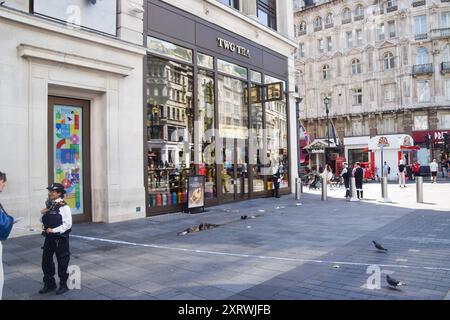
(68,154)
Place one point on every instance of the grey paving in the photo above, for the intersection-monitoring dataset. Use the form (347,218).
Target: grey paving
(313,251)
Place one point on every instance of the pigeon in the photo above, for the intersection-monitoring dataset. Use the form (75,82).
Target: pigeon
(394,283)
(243,217)
(379,246)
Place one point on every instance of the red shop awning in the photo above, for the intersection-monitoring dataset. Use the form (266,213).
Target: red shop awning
(409,148)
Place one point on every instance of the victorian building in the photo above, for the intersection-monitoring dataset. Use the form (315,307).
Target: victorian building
(385,65)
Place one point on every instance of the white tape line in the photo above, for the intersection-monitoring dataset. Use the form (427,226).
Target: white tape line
(258,257)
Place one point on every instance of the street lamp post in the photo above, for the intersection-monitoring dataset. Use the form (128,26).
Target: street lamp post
(326,101)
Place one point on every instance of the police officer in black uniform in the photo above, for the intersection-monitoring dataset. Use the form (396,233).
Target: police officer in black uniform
(345,174)
(57,221)
(359,177)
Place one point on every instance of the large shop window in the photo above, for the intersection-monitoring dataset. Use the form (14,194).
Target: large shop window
(277,135)
(206,131)
(233,132)
(170,111)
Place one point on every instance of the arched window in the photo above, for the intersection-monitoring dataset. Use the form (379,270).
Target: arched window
(389,61)
(329,20)
(359,11)
(346,15)
(326,72)
(356,66)
(422,56)
(318,23)
(302,26)
(446,54)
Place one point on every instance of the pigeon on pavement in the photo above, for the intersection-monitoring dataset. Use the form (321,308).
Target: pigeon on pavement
(394,283)
(379,246)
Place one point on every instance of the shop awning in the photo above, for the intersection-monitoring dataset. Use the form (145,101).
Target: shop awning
(409,148)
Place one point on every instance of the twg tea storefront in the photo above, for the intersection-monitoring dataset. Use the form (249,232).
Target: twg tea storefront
(201,118)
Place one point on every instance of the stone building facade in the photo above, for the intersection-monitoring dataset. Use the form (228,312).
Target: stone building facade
(384,65)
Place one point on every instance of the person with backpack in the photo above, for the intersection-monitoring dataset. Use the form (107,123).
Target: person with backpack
(402,174)
(57,221)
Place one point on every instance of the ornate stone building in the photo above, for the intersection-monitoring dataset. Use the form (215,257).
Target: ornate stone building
(385,65)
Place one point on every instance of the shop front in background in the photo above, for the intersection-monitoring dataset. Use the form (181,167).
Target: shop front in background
(206,123)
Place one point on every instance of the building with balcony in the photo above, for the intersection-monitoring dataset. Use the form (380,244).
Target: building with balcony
(385,67)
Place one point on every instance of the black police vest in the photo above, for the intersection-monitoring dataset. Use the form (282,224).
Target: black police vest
(53,219)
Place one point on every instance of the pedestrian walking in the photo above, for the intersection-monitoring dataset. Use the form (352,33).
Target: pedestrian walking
(345,174)
(277,181)
(386,169)
(57,220)
(444,167)
(401,174)
(358,173)
(434,167)
(416,169)
(6,224)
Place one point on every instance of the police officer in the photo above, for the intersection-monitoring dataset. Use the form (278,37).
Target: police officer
(359,177)
(345,174)
(57,221)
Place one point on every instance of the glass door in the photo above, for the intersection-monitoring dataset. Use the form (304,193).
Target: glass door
(235,178)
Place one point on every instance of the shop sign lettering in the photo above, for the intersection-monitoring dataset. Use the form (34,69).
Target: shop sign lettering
(228,45)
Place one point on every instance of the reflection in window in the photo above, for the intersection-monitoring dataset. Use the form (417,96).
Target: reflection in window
(206,108)
(255,76)
(233,129)
(276,127)
(205,61)
(231,3)
(257,143)
(267,13)
(169,50)
(231,69)
(169,131)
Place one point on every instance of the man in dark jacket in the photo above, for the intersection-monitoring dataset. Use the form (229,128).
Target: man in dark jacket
(57,221)
(345,174)
(359,176)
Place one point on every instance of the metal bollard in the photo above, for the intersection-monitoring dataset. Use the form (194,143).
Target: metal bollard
(419,189)
(353,198)
(298,188)
(324,188)
(384,190)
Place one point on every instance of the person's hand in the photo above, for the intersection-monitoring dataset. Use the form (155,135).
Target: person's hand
(49,230)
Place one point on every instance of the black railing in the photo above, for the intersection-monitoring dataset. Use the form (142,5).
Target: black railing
(317,28)
(426,68)
(357,18)
(345,21)
(391,8)
(418,3)
(301,32)
(421,36)
(440,33)
(329,25)
(445,67)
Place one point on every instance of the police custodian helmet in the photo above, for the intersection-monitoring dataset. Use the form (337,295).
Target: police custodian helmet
(58,187)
